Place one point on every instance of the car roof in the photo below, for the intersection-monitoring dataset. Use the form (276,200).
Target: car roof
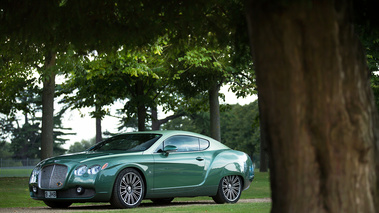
(169,133)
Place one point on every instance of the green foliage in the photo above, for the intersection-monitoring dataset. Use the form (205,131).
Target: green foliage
(136,76)
(375,87)
(88,25)
(83,88)
(201,65)
(26,138)
(239,131)
(6,127)
(196,122)
(5,149)
(12,84)
(81,146)
(142,30)
(217,52)
(367,28)
(26,141)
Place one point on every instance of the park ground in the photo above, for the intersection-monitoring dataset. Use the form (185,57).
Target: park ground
(14,197)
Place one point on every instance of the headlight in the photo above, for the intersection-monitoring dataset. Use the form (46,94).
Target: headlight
(94,170)
(80,170)
(34,175)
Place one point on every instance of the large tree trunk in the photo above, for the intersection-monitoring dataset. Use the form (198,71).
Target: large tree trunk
(47,136)
(318,107)
(214,111)
(263,146)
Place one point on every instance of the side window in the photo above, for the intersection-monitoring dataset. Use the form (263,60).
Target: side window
(204,144)
(183,143)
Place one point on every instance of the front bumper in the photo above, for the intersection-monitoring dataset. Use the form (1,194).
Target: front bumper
(57,182)
(40,194)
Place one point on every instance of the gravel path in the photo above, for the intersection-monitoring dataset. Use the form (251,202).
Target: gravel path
(102,207)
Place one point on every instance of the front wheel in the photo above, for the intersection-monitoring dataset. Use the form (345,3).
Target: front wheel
(128,190)
(229,190)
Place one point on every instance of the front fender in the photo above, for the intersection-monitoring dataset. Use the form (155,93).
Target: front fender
(105,181)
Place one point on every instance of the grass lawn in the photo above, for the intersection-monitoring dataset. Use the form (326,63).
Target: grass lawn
(15,172)
(239,207)
(14,193)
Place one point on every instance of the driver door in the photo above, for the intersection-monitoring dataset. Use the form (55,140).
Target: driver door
(182,168)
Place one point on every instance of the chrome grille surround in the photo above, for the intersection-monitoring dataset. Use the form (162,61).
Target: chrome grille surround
(52,176)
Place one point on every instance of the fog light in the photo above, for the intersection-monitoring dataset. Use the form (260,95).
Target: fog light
(35,189)
(80,190)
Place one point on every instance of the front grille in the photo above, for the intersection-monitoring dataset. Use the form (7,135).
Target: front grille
(52,176)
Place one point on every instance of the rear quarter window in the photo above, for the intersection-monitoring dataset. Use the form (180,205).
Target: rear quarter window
(204,144)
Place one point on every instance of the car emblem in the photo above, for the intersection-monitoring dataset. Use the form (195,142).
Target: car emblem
(59,184)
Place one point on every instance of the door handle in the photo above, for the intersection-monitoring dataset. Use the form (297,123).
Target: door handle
(199,158)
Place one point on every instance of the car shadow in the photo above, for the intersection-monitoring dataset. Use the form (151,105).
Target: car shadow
(143,205)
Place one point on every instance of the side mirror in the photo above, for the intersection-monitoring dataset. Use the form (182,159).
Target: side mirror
(169,148)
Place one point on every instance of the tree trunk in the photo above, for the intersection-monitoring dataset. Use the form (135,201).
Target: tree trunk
(141,109)
(155,124)
(99,133)
(214,112)
(141,118)
(263,148)
(318,107)
(99,136)
(47,136)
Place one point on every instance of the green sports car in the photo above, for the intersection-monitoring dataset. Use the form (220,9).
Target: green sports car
(156,165)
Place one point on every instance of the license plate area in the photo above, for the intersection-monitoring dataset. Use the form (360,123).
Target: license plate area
(50,194)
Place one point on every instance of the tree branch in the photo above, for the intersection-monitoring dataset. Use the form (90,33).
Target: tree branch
(171,117)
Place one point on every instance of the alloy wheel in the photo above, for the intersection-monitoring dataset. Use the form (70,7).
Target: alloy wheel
(131,188)
(231,187)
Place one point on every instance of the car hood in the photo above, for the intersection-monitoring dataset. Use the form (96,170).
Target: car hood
(83,157)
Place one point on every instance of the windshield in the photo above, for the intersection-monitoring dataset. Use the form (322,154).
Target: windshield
(128,142)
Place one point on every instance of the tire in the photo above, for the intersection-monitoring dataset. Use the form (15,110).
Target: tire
(162,200)
(229,190)
(128,190)
(57,204)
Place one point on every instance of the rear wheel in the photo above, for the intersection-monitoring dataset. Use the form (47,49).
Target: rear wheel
(229,190)
(128,190)
(57,204)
